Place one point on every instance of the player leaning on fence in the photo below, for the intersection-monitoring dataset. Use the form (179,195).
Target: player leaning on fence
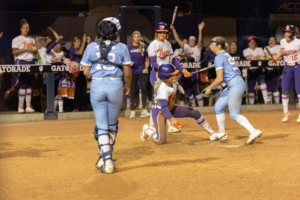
(23,47)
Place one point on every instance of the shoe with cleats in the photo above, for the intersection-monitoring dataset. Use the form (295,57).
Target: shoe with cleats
(286,117)
(144,135)
(145,113)
(173,129)
(29,110)
(218,136)
(21,110)
(253,136)
(132,115)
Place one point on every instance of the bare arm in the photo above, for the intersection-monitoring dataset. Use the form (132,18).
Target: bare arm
(37,41)
(218,80)
(86,72)
(146,62)
(55,34)
(127,77)
(176,36)
(200,27)
(81,49)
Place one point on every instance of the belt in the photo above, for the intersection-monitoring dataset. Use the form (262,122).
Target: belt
(291,64)
(111,78)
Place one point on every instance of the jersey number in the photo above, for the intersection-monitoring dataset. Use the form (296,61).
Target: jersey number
(112,58)
(231,61)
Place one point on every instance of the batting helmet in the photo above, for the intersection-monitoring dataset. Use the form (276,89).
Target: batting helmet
(162,27)
(167,72)
(291,30)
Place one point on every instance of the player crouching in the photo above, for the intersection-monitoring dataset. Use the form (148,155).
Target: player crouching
(164,99)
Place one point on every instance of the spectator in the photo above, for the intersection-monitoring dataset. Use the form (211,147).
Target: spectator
(192,49)
(210,56)
(255,72)
(271,73)
(233,51)
(76,52)
(180,52)
(139,70)
(23,47)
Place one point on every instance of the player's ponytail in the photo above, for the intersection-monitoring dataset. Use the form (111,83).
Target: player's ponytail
(23,22)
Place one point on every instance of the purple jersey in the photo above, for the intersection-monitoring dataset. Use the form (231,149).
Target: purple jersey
(209,56)
(74,57)
(137,58)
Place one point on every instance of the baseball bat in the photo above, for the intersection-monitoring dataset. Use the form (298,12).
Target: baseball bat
(201,70)
(174,14)
(269,52)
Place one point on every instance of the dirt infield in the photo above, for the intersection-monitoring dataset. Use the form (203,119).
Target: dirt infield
(54,160)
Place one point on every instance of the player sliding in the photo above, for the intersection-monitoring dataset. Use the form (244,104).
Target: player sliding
(104,62)
(290,47)
(160,52)
(164,107)
(231,96)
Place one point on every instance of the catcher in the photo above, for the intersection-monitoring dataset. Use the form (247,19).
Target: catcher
(165,89)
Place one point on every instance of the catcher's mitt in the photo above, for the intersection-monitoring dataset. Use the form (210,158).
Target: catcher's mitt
(214,92)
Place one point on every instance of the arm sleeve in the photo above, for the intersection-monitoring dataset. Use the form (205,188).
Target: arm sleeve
(176,63)
(164,109)
(50,47)
(153,62)
(219,63)
(86,60)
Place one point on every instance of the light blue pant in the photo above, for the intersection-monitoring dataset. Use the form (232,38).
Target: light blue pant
(106,99)
(231,97)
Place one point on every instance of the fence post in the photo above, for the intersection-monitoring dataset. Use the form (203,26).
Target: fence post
(50,92)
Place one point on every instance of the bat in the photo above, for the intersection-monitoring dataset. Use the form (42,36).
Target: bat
(174,14)
(269,52)
(201,70)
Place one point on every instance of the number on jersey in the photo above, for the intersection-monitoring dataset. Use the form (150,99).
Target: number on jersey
(111,57)
(231,61)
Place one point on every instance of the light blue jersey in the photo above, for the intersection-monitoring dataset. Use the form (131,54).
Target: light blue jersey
(119,54)
(224,61)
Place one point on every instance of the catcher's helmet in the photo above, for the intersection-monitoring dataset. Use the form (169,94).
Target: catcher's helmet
(108,27)
(291,30)
(168,72)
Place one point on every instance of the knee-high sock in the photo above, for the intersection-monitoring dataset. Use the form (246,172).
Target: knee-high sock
(199,98)
(55,103)
(221,122)
(192,99)
(251,98)
(285,103)
(61,105)
(264,91)
(22,93)
(202,122)
(270,96)
(276,97)
(28,97)
(140,95)
(149,132)
(245,123)
(299,99)
(104,144)
(151,119)
(128,101)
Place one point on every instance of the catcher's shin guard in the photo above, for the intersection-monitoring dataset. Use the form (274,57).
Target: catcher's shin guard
(104,157)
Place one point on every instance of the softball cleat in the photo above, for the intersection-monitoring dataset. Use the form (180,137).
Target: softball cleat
(132,115)
(286,117)
(145,113)
(218,136)
(21,110)
(253,136)
(29,110)
(144,135)
(298,120)
(173,129)
(152,128)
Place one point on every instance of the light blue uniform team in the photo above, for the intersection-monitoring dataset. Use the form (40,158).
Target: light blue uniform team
(232,95)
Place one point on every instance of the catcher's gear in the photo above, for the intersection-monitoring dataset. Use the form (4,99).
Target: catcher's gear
(291,30)
(108,28)
(214,92)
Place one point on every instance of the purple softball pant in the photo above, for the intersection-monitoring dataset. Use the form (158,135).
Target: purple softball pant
(272,80)
(290,72)
(253,75)
(26,79)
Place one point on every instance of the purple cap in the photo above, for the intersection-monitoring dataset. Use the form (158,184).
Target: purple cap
(60,42)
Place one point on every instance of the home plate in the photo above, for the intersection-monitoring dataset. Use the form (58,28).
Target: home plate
(231,146)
